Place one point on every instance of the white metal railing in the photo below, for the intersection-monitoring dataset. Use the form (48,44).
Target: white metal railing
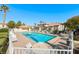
(10,48)
(17,50)
(71,40)
(21,50)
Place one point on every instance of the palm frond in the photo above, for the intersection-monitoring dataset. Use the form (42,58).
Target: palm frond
(4,8)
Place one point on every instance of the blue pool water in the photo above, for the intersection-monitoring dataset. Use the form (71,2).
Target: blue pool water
(38,37)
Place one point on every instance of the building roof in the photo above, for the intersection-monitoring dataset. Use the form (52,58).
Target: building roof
(54,24)
(25,26)
(1,24)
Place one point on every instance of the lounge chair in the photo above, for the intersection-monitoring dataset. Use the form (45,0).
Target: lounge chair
(54,46)
(58,46)
(63,43)
(29,45)
(64,46)
(13,37)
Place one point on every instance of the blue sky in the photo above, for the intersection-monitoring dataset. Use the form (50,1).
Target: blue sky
(33,13)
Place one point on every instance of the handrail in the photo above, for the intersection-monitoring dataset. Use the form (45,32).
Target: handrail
(18,50)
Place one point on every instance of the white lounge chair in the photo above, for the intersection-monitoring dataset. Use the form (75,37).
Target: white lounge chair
(29,45)
(13,36)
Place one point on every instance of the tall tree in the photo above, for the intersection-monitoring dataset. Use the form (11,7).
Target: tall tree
(18,24)
(42,25)
(11,24)
(72,23)
(4,8)
(23,23)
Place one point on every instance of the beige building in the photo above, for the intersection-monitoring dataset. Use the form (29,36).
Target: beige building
(5,26)
(55,26)
(50,26)
(23,28)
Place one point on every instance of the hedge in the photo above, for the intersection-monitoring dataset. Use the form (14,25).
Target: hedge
(4,40)
(4,30)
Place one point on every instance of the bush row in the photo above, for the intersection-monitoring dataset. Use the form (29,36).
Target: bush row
(4,30)
(4,40)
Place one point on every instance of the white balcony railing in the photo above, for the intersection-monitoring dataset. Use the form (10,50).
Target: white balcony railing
(17,50)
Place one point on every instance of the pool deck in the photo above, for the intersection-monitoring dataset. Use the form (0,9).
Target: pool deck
(76,44)
(23,41)
(56,40)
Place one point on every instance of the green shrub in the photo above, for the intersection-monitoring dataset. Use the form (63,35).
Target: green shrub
(4,30)
(4,40)
(76,37)
(54,32)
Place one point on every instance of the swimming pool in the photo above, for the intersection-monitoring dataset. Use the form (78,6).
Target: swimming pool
(38,37)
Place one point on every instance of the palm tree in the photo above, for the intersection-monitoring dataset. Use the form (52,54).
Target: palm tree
(42,25)
(4,8)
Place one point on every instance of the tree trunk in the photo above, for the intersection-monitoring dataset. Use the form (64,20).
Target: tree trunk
(4,18)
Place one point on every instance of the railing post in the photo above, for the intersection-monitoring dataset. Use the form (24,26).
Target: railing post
(71,41)
(10,45)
